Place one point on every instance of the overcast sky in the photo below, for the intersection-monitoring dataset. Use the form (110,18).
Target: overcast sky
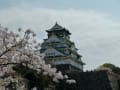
(94,24)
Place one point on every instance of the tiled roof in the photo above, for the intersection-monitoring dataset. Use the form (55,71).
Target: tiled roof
(56,27)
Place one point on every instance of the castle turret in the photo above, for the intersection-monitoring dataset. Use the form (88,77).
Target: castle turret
(60,51)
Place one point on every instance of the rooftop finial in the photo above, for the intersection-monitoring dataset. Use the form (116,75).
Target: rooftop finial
(56,22)
(56,27)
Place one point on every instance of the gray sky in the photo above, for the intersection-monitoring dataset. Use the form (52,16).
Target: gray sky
(94,24)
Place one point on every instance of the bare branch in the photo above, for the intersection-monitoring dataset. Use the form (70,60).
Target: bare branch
(5,64)
(4,58)
(7,51)
(4,42)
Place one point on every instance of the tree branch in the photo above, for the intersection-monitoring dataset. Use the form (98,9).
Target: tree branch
(9,49)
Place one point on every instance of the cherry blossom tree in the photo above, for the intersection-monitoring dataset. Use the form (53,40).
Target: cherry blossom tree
(21,48)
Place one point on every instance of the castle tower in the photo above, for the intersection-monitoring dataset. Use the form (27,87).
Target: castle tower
(60,51)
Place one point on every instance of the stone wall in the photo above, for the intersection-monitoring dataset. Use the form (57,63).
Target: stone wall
(114,78)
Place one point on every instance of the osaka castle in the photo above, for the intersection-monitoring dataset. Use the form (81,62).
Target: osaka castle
(60,51)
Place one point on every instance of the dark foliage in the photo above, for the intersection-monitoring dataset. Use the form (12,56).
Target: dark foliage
(34,79)
(116,70)
(119,84)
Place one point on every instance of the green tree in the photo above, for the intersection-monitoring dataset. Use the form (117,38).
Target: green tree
(109,65)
